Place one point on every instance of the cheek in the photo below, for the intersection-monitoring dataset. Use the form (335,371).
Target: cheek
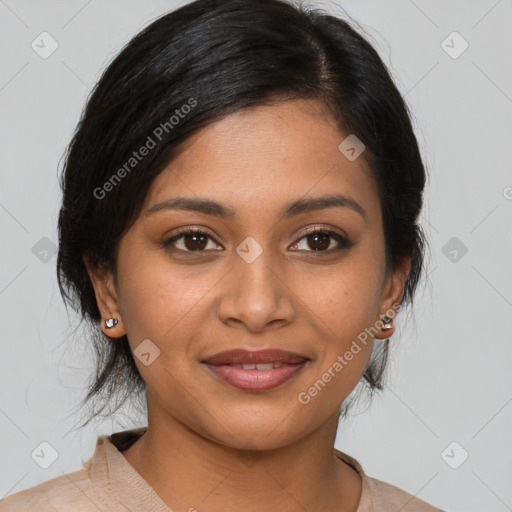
(343,304)
(166,308)
(345,298)
(160,304)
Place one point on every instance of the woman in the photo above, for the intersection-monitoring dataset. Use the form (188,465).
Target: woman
(239,220)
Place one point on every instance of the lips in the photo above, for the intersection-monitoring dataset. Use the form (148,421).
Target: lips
(255,370)
(241,357)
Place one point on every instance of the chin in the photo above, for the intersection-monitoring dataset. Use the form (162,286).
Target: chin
(269,433)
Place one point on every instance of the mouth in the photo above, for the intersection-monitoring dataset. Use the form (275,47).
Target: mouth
(256,370)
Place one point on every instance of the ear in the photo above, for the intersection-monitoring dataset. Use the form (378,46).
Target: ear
(102,280)
(392,296)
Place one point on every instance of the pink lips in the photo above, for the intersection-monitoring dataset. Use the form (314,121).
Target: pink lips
(275,367)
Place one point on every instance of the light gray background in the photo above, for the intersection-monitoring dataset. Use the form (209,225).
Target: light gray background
(449,377)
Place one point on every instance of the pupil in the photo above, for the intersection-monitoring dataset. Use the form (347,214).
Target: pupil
(198,242)
(318,241)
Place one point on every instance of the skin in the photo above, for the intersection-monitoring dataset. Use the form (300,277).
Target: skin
(194,304)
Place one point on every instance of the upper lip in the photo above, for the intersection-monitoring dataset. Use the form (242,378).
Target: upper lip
(243,356)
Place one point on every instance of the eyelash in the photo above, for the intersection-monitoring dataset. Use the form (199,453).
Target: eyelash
(342,241)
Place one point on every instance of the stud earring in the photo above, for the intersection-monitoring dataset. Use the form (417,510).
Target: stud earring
(111,322)
(386,323)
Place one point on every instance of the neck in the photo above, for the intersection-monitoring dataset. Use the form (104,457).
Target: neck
(189,471)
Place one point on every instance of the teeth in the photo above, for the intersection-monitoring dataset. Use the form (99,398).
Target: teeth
(262,366)
(259,366)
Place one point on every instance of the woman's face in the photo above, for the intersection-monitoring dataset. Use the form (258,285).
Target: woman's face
(257,278)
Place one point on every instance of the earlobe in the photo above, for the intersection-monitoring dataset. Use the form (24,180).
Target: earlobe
(106,297)
(386,327)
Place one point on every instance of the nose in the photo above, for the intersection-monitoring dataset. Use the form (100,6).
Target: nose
(256,296)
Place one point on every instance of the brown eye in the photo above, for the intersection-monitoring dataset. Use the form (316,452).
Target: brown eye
(321,241)
(195,241)
(192,240)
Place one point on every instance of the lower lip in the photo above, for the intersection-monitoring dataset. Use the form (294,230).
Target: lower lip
(256,380)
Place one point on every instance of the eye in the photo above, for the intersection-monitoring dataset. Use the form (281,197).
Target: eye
(321,240)
(191,239)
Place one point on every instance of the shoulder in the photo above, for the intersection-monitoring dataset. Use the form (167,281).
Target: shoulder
(385,495)
(66,492)
(379,496)
(102,484)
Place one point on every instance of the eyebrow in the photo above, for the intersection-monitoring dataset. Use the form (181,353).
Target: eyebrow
(303,205)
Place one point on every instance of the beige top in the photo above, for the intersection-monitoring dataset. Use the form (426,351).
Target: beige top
(108,482)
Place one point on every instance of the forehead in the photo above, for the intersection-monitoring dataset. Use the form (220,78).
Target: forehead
(266,156)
